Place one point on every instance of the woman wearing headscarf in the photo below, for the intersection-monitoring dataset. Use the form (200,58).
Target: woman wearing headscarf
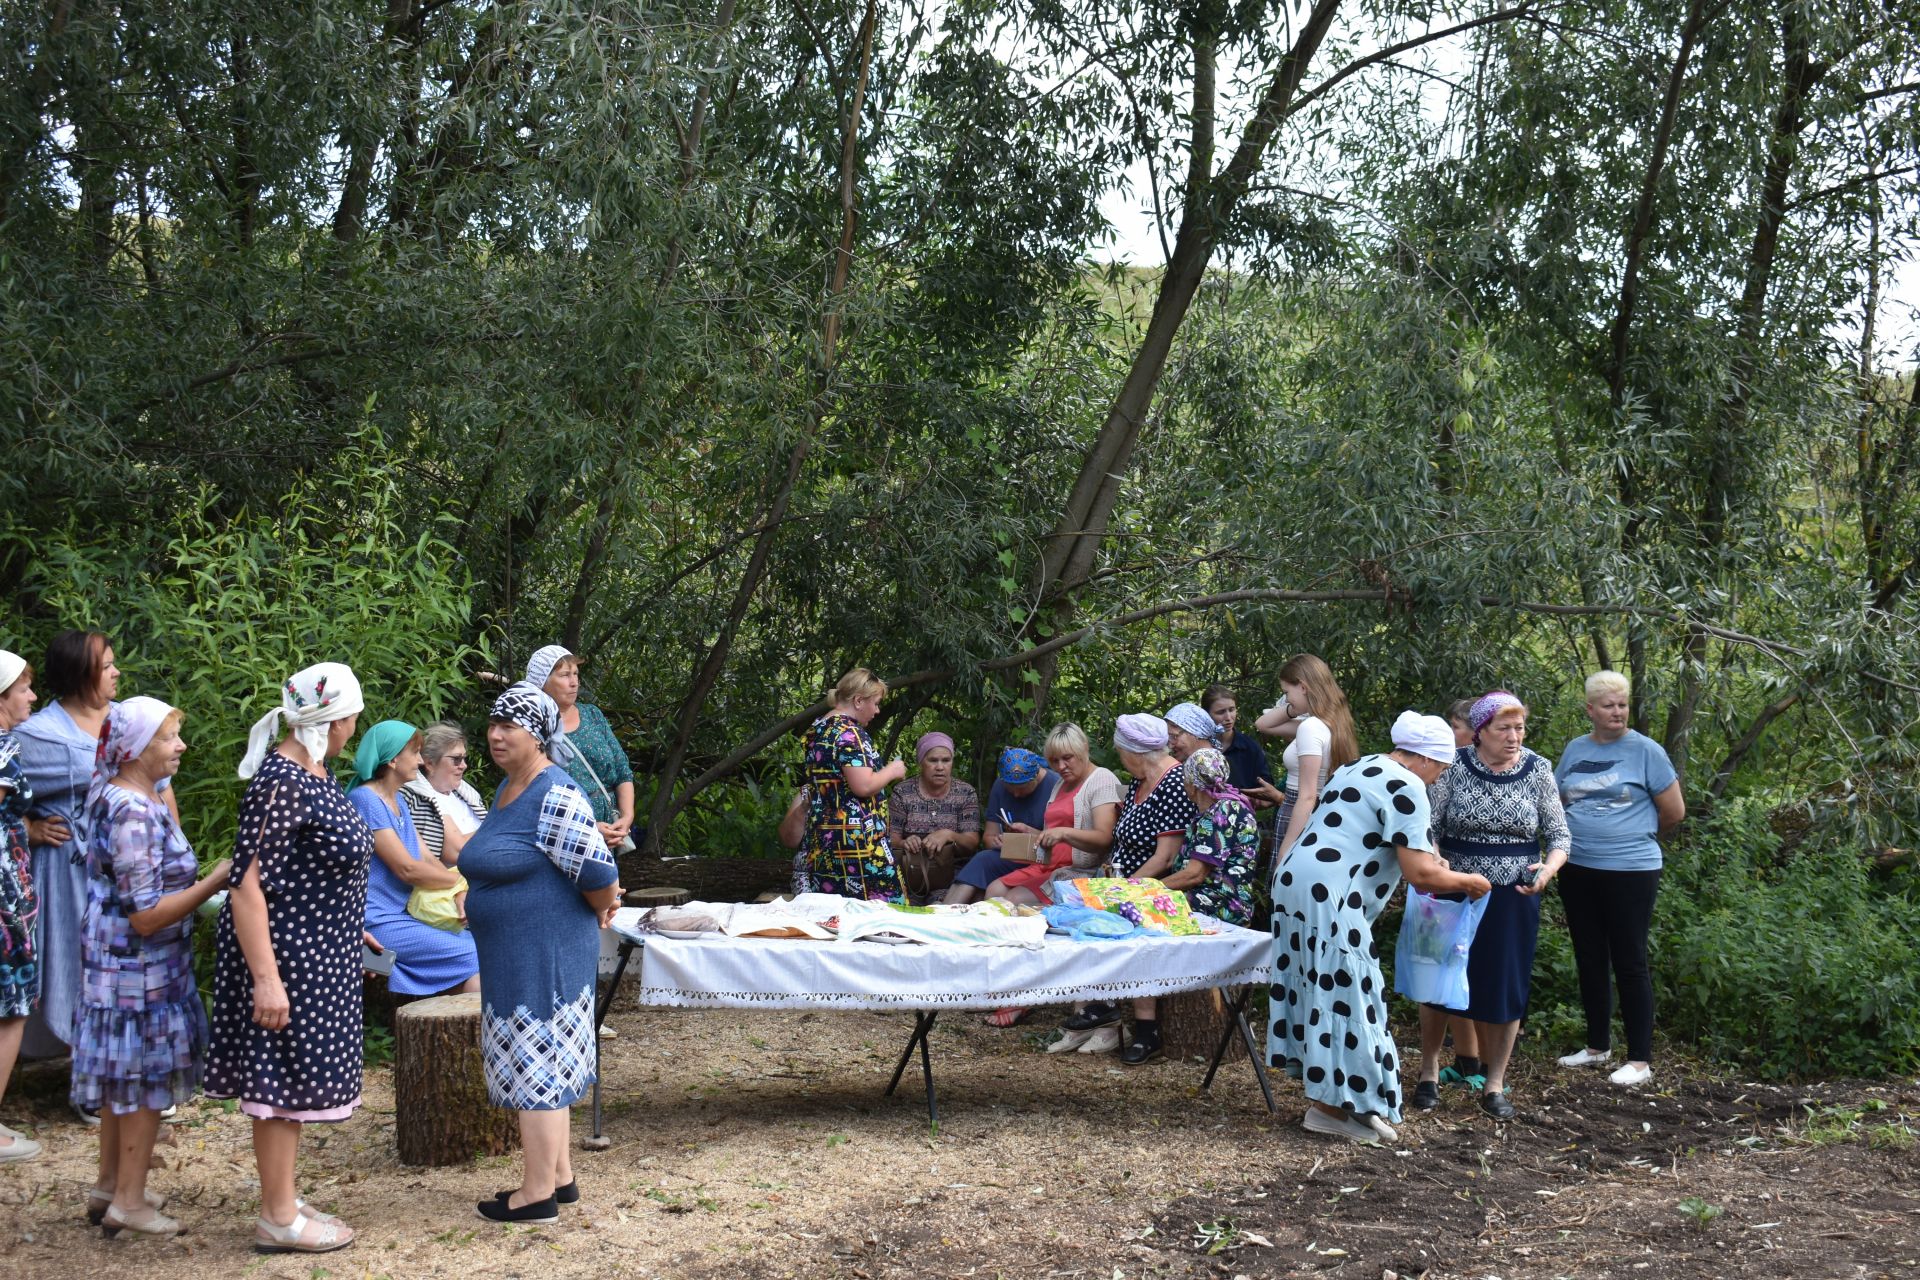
(1023,786)
(1327,1005)
(427,960)
(594,757)
(1496,813)
(19,975)
(1313,715)
(1215,868)
(445,807)
(847,799)
(543,883)
(287,1031)
(1190,728)
(140,1044)
(933,821)
(1153,822)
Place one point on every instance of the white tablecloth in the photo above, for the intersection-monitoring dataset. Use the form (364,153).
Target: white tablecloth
(796,973)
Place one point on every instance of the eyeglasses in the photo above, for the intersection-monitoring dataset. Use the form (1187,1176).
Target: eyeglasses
(460,760)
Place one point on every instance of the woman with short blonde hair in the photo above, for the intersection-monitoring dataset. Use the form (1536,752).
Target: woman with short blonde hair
(847,801)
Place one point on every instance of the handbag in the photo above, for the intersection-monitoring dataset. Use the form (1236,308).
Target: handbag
(626,844)
(1430,959)
(927,872)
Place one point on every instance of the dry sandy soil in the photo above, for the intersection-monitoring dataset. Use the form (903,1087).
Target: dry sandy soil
(759,1145)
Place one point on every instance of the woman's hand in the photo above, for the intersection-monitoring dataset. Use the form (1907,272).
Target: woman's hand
(1475,887)
(895,771)
(1021,828)
(1543,874)
(270,1008)
(216,879)
(52,830)
(606,912)
(914,844)
(1055,835)
(1265,790)
(616,831)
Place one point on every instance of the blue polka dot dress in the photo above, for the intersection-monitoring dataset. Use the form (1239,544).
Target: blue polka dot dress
(1328,1009)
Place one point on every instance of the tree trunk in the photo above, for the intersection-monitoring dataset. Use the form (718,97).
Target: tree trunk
(1192,1022)
(442,1115)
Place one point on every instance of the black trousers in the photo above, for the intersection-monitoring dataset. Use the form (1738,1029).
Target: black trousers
(1608,916)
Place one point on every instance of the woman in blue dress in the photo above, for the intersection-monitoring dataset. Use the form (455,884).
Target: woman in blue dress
(1328,1005)
(542,882)
(140,1043)
(427,961)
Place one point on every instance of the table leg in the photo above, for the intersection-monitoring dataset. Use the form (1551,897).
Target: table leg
(922,1023)
(1237,1021)
(598,1141)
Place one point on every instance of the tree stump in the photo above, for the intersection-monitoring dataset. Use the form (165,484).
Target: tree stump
(1192,1022)
(441,1112)
(661,896)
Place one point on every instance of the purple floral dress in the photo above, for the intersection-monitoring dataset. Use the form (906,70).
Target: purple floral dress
(19,972)
(140,1036)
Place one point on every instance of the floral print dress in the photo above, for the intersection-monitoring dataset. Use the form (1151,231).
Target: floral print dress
(846,835)
(1227,839)
(19,974)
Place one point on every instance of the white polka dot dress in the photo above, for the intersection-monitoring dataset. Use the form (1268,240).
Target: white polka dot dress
(313,851)
(1328,1007)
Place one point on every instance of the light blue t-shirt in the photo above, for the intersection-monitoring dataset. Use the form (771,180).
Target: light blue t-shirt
(1608,790)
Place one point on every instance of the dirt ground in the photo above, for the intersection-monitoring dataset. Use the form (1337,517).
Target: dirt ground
(759,1145)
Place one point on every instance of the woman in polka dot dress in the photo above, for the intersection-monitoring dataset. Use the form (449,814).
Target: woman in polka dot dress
(286,1003)
(1328,1005)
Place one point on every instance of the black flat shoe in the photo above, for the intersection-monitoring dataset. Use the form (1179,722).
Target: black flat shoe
(538,1213)
(568,1194)
(1496,1105)
(1094,1015)
(1140,1051)
(1426,1095)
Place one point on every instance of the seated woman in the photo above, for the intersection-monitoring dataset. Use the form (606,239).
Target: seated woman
(444,806)
(1146,839)
(1017,801)
(933,822)
(427,961)
(1190,728)
(1215,868)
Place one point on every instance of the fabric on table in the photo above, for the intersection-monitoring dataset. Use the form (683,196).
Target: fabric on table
(778,973)
(19,906)
(957,926)
(538,942)
(312,850)
(140,1037)
(426,960)
(1327,1006)
(846,835)
(1147,903)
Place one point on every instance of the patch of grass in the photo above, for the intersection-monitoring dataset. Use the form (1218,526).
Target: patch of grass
(1699,1212)
(836,1140)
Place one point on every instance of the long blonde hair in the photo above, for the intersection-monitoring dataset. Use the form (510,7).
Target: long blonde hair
(1329,703)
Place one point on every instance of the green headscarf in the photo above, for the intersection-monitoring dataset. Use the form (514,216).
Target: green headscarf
(378,746)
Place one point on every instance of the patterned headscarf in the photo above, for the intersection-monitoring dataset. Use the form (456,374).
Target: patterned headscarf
(1207,772)
(1192,718)
(528,706)
(540,666)
(1019,765)
(125,735)
(380,745)
(1140,733)
(929,742)
(310,700)
(1490,705)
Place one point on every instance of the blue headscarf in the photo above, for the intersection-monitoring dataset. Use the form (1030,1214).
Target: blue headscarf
(1191,717)
(1019,765)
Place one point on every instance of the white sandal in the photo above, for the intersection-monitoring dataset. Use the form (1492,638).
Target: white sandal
(324,1237)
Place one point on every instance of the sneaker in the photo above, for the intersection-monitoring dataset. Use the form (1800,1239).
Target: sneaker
(18,1149)
(1344,1125)
(1497,1105)
(1586,1058)
(1631,1075)
(1426,1095)
(1067,1041)
(1102,1040)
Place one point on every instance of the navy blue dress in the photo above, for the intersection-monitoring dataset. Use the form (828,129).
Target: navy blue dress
(539,941)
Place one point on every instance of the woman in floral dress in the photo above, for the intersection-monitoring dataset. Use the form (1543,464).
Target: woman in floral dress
(140,1040)
(19,977)
(847,811)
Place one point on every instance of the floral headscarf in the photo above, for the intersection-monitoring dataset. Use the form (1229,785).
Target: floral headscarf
(1207,772)
(1490,705)
(310,700)
(1019,765)
(128,731)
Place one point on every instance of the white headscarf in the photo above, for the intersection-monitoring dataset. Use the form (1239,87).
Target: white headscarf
(126,735)
(11,665)
(309,702)
(1428,736)
(540,666)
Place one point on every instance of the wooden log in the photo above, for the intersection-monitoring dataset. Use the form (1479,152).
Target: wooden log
(658,896)
(1192,1022)
(441,1112)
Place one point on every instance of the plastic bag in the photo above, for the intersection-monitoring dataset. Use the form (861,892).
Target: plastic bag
(1088,925)
(1430,960)
(437,907)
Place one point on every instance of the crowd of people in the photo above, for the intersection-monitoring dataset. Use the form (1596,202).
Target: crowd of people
(99,889)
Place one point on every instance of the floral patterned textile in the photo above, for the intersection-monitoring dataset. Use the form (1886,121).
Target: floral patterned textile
(1227,839)
(1147,903)
(847,836)
(19,975)
(140,1037)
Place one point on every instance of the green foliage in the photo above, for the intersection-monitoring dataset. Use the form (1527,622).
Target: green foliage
(1699,1212)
